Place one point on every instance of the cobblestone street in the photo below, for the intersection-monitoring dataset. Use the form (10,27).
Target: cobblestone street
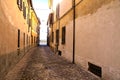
(41,64)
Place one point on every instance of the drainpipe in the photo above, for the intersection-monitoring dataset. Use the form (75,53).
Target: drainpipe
(73,5)
(58,21)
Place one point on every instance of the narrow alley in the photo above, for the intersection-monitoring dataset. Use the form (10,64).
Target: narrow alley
(59,40)
(41,64)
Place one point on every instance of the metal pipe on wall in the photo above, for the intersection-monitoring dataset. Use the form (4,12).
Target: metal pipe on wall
(73,5)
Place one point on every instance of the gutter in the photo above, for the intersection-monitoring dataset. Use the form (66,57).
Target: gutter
(73,5)
(74,26)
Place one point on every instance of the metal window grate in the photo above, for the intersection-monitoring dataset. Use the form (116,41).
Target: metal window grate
(95,69)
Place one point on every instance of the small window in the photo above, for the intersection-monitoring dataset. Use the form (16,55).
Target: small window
(57,12)
(63,34)
(28,18)
(34,40)
(57,36)
(18,38)
(52,37)
(27,39)
(30,22)
(31,39)
(24,39)
(24,10)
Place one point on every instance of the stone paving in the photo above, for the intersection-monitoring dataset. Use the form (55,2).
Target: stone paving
(41,64)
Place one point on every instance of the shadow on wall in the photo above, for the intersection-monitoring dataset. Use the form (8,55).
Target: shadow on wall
(8,61)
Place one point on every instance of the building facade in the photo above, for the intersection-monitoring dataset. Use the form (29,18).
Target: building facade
(86,32)
(35,29)
(18,21)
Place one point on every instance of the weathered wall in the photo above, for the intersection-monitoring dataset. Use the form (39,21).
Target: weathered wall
(67,48)
(65,6)
(11,19)
(97,37)
(97,32)
(53,29)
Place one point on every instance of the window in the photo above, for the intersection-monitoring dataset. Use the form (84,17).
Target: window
(57,36)
(31,39)
(29,25)
(52,36)
(18,38)
(24,39)
(63,34)
(57,12)
(27,39)
(24,10)
(30,22)
(19,3)
(51,18)
(28,18)
(34,40)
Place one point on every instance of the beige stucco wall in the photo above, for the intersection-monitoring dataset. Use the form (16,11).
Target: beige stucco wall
(66,21)
(11,19)
(97,35)
(97,40)
(53,29)
(65,6)
(67,48)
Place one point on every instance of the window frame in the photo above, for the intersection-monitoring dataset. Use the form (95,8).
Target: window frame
(57,36)
(18,38)
(20,4)
(63,35)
